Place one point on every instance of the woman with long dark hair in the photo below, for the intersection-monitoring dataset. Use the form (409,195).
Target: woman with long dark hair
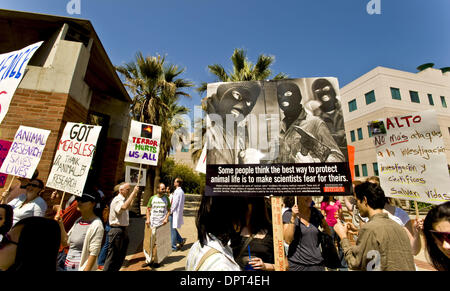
(85,237)
(256,236)
(31,245)
(436,229)
(218,220)
(6,218)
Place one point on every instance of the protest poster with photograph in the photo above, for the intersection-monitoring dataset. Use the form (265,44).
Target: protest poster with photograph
(132,175)
(25,152)
(201,163)
(283,137)
(12,70)
(143,143)
(4,149)
(73,158)
(411,158)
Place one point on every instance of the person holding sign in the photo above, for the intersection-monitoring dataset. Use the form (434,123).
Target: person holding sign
(436,229)
(119,220)
(85,237)
(29,204)
(19,188)
(301,231)
(158,211)
(382,244)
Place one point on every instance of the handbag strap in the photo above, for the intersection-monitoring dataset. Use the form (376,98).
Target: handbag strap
(205,256)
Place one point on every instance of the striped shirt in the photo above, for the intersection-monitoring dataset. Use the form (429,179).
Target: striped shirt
(222,261)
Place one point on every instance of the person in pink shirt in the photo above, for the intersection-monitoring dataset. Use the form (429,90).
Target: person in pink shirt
(331,208)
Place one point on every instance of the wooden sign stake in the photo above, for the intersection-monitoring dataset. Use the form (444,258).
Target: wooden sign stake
(278,238)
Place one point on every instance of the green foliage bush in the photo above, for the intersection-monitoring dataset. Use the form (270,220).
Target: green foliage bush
(192,181)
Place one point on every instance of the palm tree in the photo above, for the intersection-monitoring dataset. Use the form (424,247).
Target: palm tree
(243,70)
(156,89)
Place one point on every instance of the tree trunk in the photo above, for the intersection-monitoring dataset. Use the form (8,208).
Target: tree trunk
(157,178)
(149,185)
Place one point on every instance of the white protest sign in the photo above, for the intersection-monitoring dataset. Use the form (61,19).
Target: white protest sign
(143,143)
(73,158)
(411,158)
(25,152)
(12,69)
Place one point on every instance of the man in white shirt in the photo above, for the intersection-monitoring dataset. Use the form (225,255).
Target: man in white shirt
(119,220)
(176,217)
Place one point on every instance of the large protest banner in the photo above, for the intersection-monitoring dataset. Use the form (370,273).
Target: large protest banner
(411,158)
(73,158)
(143,143)
(281,138)
(25,152)
(12,70)
(5,145)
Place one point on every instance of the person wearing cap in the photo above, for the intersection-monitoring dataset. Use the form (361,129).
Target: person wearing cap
(85,237)
(232,100)
(119,219)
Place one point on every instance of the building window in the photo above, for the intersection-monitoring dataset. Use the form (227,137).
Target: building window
(352,105)
(395,92)
(375,168)
(360,134)
(430,99)
(414,96)
(370,97)
(369,131)
(364,170)
(356,171)
(352,135)
(444,104)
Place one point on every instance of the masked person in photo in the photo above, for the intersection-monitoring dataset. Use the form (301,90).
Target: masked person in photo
(229,145)
(330,111)
(303,138)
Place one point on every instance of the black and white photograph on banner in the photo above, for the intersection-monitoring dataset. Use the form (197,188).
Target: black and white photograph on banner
(281,137)
(132,176)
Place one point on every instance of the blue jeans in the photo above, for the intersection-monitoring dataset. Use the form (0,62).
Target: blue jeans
(104,251)
(174,235)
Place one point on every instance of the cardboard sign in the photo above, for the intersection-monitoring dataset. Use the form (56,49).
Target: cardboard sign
(159,236)
(4,148)
(284,137)
(411,158)
(73,158)
(132,174)
(12,70)
(143,143)
(25,152)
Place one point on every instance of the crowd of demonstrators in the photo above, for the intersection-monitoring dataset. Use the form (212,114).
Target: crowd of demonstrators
(331,209)
(301,232)
(382,244)
(119,221)
(436,230)
(176,215)
(31,245)
(85,237)
(217,222)
(253,248)
(157,214)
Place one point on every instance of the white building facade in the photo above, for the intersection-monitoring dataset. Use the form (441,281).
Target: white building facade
(385,92)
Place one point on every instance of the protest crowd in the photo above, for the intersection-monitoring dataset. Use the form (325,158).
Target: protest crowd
(271,223)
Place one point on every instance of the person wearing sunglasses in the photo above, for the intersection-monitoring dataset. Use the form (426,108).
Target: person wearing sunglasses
(31,245)
(30,203)
(85,237)
(436,229)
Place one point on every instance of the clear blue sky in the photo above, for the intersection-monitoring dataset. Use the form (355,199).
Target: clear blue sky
(307,37)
